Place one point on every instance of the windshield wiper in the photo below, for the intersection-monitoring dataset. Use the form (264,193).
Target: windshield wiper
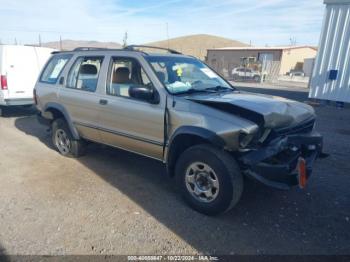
(194,90)
(220,88)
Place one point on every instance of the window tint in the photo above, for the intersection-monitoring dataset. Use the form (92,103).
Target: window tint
(54,68)
(84,73)
(125,74)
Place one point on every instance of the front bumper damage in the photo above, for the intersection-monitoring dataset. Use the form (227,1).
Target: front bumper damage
(276,164)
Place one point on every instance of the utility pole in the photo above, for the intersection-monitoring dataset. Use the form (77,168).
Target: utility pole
(167,34)
(293,41)
(60,43)
(125,39)
(15,41)
(39,40)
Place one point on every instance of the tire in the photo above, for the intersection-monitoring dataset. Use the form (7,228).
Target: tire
(235,77)
(64,141)
(222,167)
(257,79)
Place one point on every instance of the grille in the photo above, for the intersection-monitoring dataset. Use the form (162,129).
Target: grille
(303,128)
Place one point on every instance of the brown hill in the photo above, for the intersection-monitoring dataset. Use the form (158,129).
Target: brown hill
(71,44)
(197,45)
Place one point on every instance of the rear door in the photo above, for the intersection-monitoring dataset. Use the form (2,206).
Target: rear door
(22,69)
(79,97)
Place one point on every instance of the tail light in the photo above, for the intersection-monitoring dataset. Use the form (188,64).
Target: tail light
(3,82)
(35,97)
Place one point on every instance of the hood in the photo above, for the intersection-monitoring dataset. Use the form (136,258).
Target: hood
(266,111)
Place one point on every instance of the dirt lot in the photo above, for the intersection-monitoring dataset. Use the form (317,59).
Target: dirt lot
(113,202)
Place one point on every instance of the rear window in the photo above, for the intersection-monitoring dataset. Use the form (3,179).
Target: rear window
(54,68)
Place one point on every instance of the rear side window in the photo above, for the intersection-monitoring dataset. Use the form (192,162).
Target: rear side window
(54,68)
(84,73)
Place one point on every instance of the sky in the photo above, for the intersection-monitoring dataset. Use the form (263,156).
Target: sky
(260,22)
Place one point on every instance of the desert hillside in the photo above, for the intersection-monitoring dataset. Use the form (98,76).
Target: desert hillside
(197,45)
(71,44)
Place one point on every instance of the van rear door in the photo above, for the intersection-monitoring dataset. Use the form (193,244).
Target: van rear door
(22,69)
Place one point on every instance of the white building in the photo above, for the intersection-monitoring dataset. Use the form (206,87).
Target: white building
(331,73)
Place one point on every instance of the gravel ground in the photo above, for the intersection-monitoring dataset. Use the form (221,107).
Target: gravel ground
(114,202)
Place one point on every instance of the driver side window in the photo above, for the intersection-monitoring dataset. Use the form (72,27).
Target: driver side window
(124,75)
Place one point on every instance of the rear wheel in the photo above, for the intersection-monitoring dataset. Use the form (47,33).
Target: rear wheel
(235,77)
(64,141)
(209,179)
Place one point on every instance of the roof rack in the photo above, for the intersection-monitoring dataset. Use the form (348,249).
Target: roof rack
(134,47)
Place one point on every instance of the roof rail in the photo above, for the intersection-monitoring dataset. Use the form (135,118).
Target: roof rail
(133,47)
(90,49)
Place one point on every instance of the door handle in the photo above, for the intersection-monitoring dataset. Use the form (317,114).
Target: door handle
(103,102)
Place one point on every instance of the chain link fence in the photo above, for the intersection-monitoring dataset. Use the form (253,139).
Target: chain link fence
(248,70)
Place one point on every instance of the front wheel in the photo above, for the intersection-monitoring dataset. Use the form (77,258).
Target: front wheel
(257,79)
(64,141)
(209,179)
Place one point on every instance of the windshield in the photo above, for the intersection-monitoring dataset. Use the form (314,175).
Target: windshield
(185,75)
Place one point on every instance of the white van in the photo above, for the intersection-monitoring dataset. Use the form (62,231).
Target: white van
(19,69)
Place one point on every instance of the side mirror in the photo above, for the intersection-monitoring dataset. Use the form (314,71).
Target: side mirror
(145,94)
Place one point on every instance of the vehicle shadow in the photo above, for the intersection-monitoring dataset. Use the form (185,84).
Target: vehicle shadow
(17,111)
(3,255)
(254,226)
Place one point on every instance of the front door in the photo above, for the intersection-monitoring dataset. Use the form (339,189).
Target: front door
(127,122)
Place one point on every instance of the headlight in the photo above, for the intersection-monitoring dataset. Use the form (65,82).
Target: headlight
(265,135)
(245,139)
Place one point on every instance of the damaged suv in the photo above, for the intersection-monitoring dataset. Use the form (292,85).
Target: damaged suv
(175,109)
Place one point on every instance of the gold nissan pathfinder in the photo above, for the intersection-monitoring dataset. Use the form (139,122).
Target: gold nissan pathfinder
(176,109)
